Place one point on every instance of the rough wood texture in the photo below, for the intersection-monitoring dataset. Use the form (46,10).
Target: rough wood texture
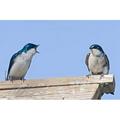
(58,88)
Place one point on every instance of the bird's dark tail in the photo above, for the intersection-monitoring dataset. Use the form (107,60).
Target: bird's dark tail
(6,76)
(112,93)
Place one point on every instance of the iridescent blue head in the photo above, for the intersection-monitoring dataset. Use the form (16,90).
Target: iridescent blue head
(29,46)
(98,47)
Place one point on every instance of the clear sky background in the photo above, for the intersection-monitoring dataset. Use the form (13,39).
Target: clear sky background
(63,46)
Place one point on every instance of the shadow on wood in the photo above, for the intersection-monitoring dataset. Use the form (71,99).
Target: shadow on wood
(79,88)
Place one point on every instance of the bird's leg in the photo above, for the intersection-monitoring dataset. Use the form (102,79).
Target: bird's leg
(23,79)
(88,75)
(12,80)
(101,76)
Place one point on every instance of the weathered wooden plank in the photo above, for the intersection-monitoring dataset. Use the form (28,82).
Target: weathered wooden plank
(56,82)
(58,88)
(66,92)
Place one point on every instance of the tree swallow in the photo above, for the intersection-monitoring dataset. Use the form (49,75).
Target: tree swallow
(97,61)
(20,62)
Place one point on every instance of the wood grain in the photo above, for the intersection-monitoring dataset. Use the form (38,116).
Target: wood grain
(77,88)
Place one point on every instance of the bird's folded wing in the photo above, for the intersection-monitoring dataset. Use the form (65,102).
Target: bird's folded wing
(86,60)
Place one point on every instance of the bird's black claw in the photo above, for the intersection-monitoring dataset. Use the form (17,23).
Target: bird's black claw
(101,76)
(88,75)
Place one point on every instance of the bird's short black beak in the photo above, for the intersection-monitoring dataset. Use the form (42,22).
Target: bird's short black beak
(90,48)
(38,45)
(36,49)
(38,52)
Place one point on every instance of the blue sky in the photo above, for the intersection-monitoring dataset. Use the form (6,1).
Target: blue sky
(63,46)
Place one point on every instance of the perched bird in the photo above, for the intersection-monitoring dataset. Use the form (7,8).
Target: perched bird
(97,61)
(20,62)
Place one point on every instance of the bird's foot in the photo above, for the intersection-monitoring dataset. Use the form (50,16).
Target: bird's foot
(11,81)
(88,76)
(101,76)
(23,80)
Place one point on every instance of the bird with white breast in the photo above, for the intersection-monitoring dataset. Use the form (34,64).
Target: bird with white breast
(97,61)
(20,62)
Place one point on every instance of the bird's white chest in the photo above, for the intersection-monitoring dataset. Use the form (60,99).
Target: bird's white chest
(95,64)
(20,66)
